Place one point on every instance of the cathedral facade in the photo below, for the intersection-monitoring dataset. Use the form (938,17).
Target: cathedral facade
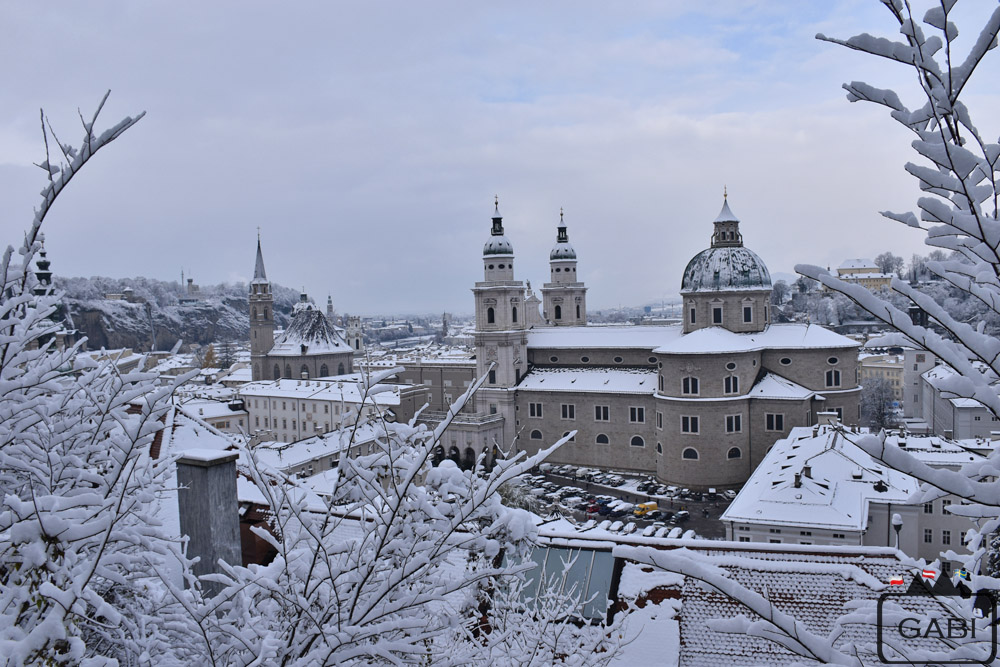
(698,403)
(311,346)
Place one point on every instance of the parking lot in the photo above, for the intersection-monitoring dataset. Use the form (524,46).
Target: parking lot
(572,492)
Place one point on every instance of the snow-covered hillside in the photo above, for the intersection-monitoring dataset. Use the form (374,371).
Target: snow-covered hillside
(220,312)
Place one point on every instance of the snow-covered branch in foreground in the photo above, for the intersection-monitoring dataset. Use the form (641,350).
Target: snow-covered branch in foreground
(403,562)
(78,542)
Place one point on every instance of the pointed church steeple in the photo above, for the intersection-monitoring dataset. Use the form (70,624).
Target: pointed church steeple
(727,226)
(259,276)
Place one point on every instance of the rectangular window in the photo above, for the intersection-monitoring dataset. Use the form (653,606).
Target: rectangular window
(963,538)
(689,424)
(326,408)
(747,314)
(732,385)
(746,528)
(744,538)
(284,406)
(804,542)
(805,533)
(774,540)
(265,422)
(303,407)
(534,409)
(602,413)
(734,423)
(920,359)
(716,315)
(774,422)
(293,424)
(568,411)
(928,508)
(284,423)
(691,316)
(945,537)
(928,535)
(776,531)
(946,567)
(689,385)
(659,419)
(256,421)
(944,506)
(637,415)
(839,536)
(493,408)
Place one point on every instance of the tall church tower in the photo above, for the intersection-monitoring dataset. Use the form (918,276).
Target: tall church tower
(261,318)
(564,299)
(501,332)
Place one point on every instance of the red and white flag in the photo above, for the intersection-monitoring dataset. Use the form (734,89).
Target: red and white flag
(929,574)
(896,581)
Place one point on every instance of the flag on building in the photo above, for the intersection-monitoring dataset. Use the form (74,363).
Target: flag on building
(896,581)
(929,574)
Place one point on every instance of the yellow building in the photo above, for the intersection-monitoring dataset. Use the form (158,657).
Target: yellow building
(888,367)
(864,272)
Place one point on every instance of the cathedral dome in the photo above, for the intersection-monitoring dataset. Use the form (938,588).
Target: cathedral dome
(562,251)
(498,245)
(722,269)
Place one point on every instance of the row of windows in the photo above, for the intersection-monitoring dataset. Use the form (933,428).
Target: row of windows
(324,371)
(284,423)
(491,315)
(717,314)
(304,407)
(945,537)
(689,453)
(637,415)
(731,384)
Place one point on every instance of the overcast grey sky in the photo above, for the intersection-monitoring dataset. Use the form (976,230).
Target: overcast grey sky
(367,140)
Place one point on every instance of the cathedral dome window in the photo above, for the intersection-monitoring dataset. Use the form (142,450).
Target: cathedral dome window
(585,359)
(553,359)
(785,361)
(833,361)
(618,360)
(637,441)
(690,453)
(731,366)
(536,435)
(734,453)
(602,439)
(652,360)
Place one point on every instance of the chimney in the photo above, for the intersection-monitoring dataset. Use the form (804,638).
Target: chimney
(807,471)
(798,480)
(209,510)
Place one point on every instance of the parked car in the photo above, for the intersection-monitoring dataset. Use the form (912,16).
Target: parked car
(729,493)
(682,516)
(604,525)
(616,527)
(630,528)
(663,532)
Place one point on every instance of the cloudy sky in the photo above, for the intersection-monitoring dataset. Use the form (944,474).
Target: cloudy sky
(367,140)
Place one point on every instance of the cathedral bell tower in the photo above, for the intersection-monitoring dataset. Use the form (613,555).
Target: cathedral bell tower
(261,318)
(564,299)
(501,331)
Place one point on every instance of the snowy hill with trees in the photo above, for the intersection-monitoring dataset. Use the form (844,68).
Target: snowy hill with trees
(220,313)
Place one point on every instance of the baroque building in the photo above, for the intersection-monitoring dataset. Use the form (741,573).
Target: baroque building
(697,403)
(311,346)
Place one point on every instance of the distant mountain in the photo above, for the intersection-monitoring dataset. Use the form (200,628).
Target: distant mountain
(219,313)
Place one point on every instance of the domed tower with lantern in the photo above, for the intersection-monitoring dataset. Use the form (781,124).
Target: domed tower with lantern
(564,298)
(726,285)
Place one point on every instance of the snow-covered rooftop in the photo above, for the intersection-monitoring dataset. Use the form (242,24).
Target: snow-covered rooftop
(309,333)
(207,409)
(855,264)
(776,336)
(591,337)
(826,481)
(598,379)
(773,386)
(344,389)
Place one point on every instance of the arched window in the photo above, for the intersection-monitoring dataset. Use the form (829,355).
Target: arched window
(491,317)
(689,385)
(324,371)
(602,439)
(573,439)
(453,454)
(469,460)
(732,385)
(734,453)
(340,369)
(255,312)
(558,312)
(659,448)
(304,372)
(277,372)
(833,378)
(536,435)
(513,314)
(637,441)
(577,311)
(690,453)
(288,370)
(357,343)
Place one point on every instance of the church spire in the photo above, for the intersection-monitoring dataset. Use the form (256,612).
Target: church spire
(497,218)
(561,235)
(259,276)
(727,226)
